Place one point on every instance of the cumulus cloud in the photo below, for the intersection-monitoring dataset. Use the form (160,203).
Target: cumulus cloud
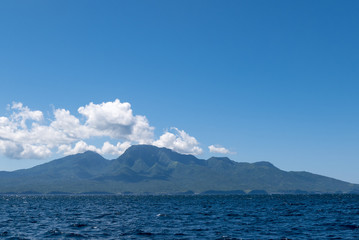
(10,149)
(18,151)
(116,120)
(17,140)
(26,134)
(22,114)
(79,147)
(69,126)
(218,149)
(179,141)
(118,149)
(107,148)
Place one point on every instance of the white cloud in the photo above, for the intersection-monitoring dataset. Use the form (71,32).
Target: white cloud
(116,120)
(107,148)
(218,149)
(25,134)
(79,147)
(22,114)
(70,126)
(179,141)
(35,151)
(19,151)
(10,149)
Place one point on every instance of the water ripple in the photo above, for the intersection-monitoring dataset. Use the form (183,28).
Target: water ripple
(179,217)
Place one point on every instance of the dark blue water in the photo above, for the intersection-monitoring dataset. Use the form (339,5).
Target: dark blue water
(180,217)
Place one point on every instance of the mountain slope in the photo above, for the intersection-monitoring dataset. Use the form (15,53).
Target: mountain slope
(149,169)
(65,174)
(150,162)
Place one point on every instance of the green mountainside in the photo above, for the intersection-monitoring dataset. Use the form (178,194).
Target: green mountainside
(146,169)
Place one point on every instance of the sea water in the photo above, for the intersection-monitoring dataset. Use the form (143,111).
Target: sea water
(179,217)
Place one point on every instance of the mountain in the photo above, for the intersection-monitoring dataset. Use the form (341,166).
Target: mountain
(69,174)
(149,169)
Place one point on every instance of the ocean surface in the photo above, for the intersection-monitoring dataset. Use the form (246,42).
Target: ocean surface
(179,217)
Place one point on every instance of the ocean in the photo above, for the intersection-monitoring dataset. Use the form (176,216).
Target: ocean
(179,217)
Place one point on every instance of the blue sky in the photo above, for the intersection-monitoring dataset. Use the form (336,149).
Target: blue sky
(270,81)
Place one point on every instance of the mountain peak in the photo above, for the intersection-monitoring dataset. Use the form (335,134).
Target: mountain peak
(88,153)
(151,151)
(148,148)
(220,162)
(152,154)
(81,155)
(85,156)
(141,151)
(264,164)
(224,159)
(142,147)
(91,153)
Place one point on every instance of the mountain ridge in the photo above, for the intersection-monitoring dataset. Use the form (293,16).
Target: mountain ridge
(149,169)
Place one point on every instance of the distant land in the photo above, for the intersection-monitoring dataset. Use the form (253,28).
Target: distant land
(146,169)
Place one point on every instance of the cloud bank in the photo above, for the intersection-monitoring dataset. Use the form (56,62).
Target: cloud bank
(26,134)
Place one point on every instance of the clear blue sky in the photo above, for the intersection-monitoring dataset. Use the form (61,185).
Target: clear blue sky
(270,81)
